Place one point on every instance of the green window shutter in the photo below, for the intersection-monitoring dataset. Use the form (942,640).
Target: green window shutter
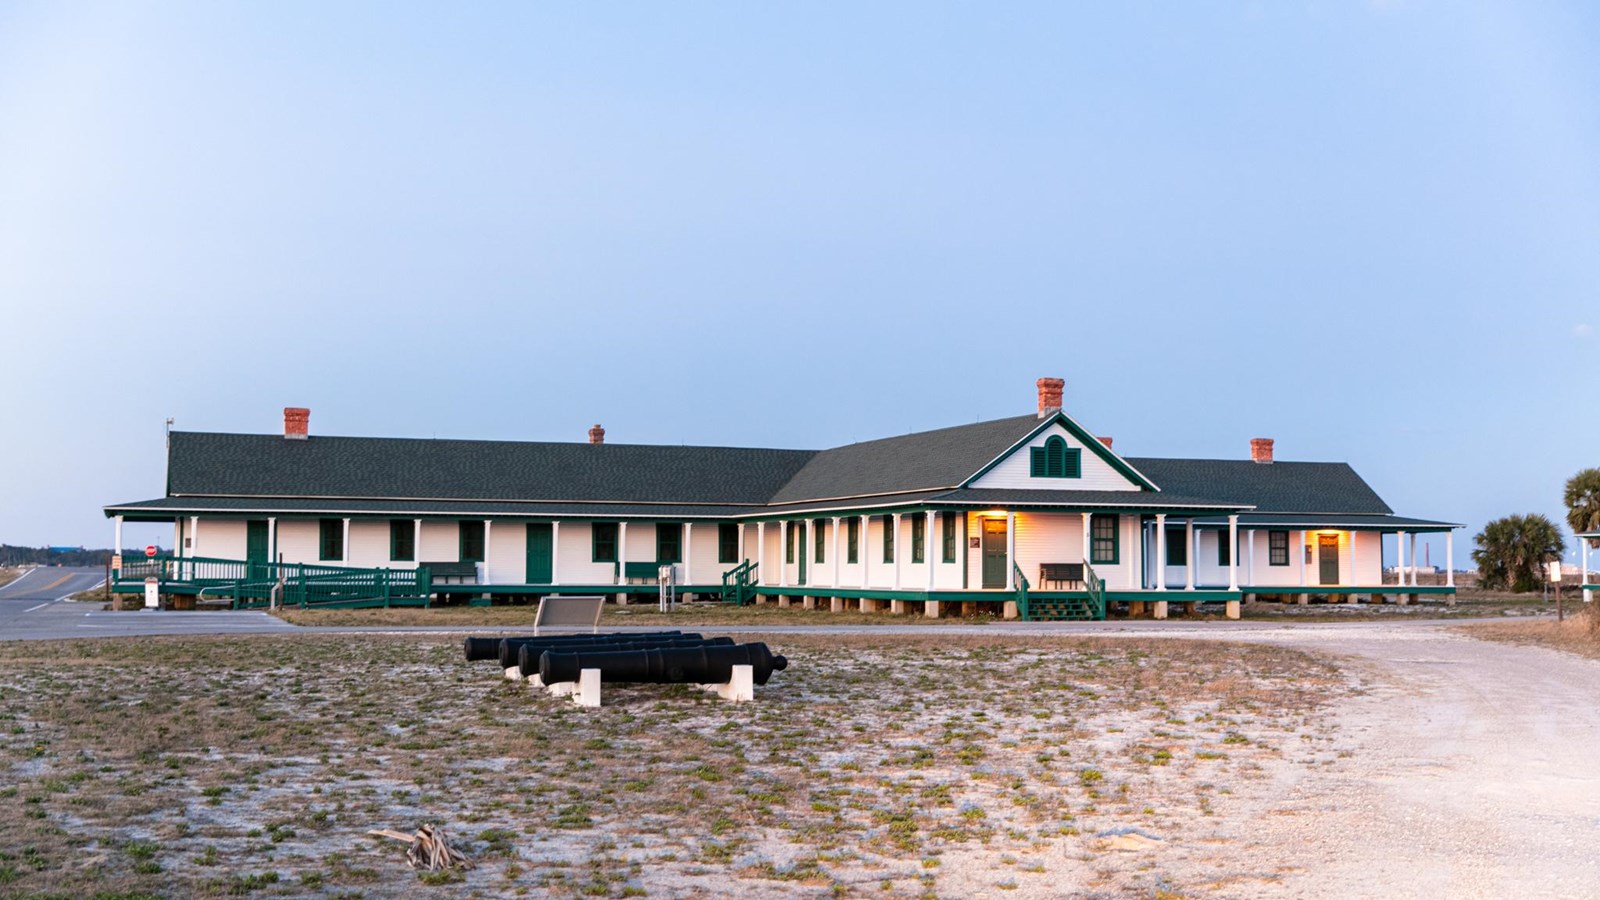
(788,542)
(853,540)
(728,542)
(1036,463)
(330,533)
(603,542)
(1177,547)
(1105,539)
(1072,466)
(888,539)
(1056,460)
(1055,451)
(402,540)
(472,549)
(669,542)
(948,536)
(819,538)
(1277,548)
(919,537)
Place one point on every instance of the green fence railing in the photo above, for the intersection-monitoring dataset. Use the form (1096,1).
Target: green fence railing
(252,584)
(1022,592)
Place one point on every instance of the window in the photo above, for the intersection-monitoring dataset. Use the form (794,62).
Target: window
(603,542)
(669,542)
(919,537)
(947,536)
(472,541)
(1055,460)
(1104,540)
(1277,548)
(330,534)
(728,542)
(852,537)
(819,539)
(402,540)
(888,539)
(788,542)
(1222,549)
(1177,547)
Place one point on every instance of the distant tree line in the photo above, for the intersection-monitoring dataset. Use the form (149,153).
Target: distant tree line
(44,556)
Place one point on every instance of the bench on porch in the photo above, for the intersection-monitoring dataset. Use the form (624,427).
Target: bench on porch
(453,572)
(641,571)
(1060,573)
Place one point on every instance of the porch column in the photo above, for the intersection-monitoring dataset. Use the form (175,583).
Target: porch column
(836,521)
(622,554)
(346,548)
(1189,557)
(761,553)
(1450,558)
(1413,560)
(272,539)
(928,538)
(1583,551)
(688,552)
(899,551)
(1011,551)
(864,549)
(1400,559)
(416,541)
(193,536)
(1250,537)
(116,539)
(1300,555)
(809,539)
(555,552)
(1086,543)
(1233,552)
(785,535)
(1161,551)
(486,525)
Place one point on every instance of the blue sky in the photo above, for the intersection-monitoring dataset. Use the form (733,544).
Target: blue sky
(1368,230)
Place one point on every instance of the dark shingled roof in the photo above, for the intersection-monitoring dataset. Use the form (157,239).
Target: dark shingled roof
(399,468)
(911,462)
(1299,487)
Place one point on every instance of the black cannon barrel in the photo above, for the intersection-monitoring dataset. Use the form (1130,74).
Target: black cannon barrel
(510,650)
(482,648)
(528,654)
(667,665)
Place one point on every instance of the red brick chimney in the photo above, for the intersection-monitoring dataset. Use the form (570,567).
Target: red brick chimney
(296,423)
(1049,395)
(1106,439)
(1261,449)
(597,435)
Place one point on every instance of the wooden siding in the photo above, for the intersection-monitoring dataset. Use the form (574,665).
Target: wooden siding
(1013,471)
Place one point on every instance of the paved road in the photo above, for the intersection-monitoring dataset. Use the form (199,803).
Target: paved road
(38,589)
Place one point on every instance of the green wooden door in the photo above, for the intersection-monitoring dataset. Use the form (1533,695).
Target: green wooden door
(994,553)
(540,553)
(255,541)
(1328,557)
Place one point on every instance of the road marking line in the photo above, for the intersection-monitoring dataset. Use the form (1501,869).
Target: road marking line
(17,580)
(57,583)
(40,606)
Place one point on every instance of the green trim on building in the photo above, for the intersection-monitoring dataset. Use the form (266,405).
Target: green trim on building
(1084,437)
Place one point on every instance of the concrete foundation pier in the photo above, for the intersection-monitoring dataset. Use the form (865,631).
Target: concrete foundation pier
(932,608)
(836,604)
(897,607)
(1233,609)
(1161,609)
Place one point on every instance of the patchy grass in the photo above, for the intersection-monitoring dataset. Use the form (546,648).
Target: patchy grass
(694,615)
(1470,604)
(1579,633)
(876,765)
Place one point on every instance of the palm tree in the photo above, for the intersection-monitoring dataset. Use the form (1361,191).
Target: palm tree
(1512,551)
(1582,498)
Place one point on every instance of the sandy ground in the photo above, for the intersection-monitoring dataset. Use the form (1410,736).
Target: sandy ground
(1468,772)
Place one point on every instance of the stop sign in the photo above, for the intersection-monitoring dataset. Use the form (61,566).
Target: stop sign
(150,550)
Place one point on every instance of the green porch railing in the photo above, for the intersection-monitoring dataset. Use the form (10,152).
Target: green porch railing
(1022,592)
(251,584)
(738,584)
(1097,591)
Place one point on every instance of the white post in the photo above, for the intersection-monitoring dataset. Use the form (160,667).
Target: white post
(1450,558)
(1413,560)
(555,552)
(1233,552)
(1161,551)
(416,541)
(194,535)
(1583,544)
(116,540)
(1300,555)
(346,547)
(761,553)
(835,581)
(739,535)
(1189,538)
(863,549)
(622,553)
(1086,544)
(928,539)
(1400,559)
(486,575)
(272,539)
(785,535)
(688,553)
(1250,538)
(899,551)
(1011,551)
(810,537)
